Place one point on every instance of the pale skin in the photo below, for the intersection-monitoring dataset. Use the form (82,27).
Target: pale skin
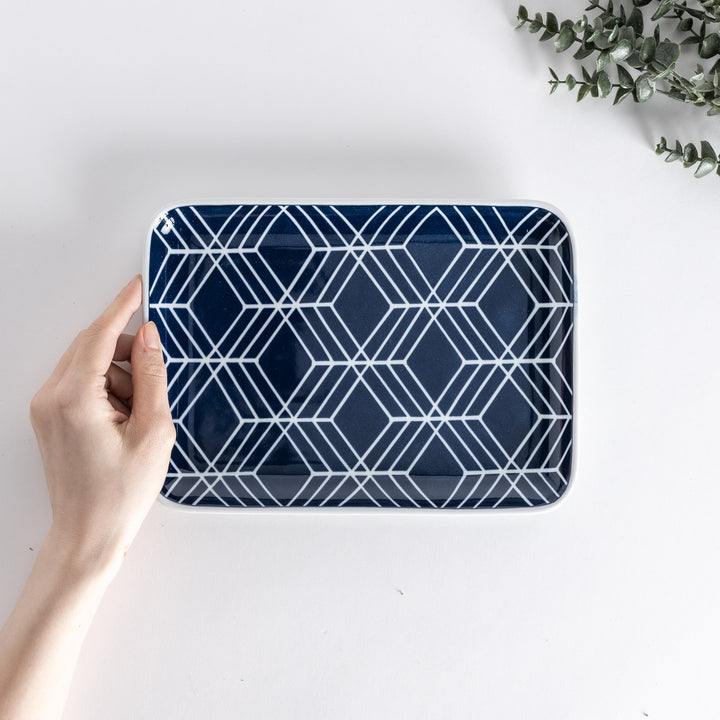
(105,437)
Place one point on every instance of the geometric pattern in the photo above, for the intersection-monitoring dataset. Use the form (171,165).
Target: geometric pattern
(398,355)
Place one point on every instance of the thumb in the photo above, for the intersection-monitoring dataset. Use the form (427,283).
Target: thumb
(150,407)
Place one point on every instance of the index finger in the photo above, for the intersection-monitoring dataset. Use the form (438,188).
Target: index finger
(97,345)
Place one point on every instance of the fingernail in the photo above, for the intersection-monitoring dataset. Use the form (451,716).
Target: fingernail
(151,336)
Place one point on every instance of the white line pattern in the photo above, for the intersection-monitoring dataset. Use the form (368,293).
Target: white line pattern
(384,355)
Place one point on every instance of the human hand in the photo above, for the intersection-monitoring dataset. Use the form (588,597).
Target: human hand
(105,435)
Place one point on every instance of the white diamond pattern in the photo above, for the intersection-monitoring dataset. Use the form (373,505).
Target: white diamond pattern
(423,362)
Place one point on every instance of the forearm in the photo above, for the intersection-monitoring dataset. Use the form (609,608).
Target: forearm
(105,436)
(41,640)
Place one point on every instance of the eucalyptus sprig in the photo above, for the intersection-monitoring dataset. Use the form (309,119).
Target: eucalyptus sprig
(634,58)
(706,159)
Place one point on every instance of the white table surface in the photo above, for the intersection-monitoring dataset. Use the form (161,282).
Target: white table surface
(604,607)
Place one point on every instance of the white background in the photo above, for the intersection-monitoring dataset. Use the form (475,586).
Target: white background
(605,607)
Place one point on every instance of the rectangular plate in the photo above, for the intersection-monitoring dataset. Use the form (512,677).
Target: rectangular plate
(382,355)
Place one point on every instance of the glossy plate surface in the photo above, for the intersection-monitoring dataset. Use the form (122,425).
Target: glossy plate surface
(366,355)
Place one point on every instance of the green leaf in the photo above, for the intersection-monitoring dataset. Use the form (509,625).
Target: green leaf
(522,14)
(647,49)
(670,68)
(614,34)
(673,156)
(553,74)
(554,87)
(621,94)
(707,150)
(586,75)
(698,14)
(627,33)
(534,26)
(584,52)
(710,46)
(621,51)
(665,7)
(644,88)
(685,25)
(634,61)
(677,95)
(565,39)
(602,42)
(551,22)
(690,155)
(603,60)
(624,77)
(661,147)
(598,28)
(667,53)
(698,76)
(583,90)
(603,83)
(706,166)
(570,82)
(635,20)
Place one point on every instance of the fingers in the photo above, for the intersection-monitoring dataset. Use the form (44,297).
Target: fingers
(123,348)
(124,410)
(99,342)
(119,382)
(150,407)
(122,352)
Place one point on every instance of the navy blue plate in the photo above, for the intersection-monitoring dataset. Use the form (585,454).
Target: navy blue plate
(408,355)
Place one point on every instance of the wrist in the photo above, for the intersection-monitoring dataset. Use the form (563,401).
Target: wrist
(82,558)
